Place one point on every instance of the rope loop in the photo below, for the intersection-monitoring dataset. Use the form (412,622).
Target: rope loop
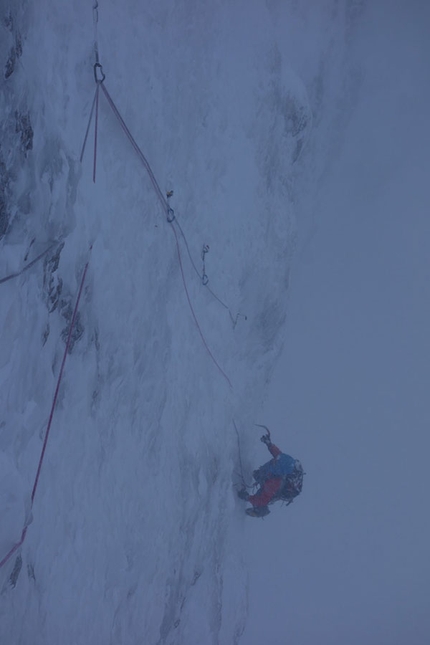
(99,75)
(170,215)
(205,279)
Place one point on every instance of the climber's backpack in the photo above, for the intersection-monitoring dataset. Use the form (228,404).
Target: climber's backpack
(292,485)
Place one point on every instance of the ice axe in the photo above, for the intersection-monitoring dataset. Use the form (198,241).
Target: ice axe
(265,427)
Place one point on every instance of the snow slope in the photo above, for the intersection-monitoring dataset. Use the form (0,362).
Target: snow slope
(136,533)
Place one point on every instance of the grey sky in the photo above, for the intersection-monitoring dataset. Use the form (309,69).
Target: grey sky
(348,562)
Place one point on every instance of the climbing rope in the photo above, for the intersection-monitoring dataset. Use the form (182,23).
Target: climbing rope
(204,278)
(95,132)
(30,264)
(164,203)
(169,212)
(95,24)
(193,312)
(51,415)
(99,77)
(89,124)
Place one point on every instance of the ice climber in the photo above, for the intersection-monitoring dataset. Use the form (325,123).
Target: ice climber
(281,478)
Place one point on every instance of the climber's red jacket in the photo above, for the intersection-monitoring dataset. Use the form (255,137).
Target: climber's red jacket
(270,487)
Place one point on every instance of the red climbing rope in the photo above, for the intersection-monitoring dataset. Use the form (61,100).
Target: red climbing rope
(137,149)
(51,415)
(60,376)
(30,264)
(14,548)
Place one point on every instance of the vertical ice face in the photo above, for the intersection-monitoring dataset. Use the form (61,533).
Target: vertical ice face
(12,508)
(15,122)
(136,504)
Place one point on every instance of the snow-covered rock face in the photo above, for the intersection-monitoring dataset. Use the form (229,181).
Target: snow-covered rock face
(15,120)
(136,533)
(12,504)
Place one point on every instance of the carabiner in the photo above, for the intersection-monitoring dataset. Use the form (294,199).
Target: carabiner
(102,74)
